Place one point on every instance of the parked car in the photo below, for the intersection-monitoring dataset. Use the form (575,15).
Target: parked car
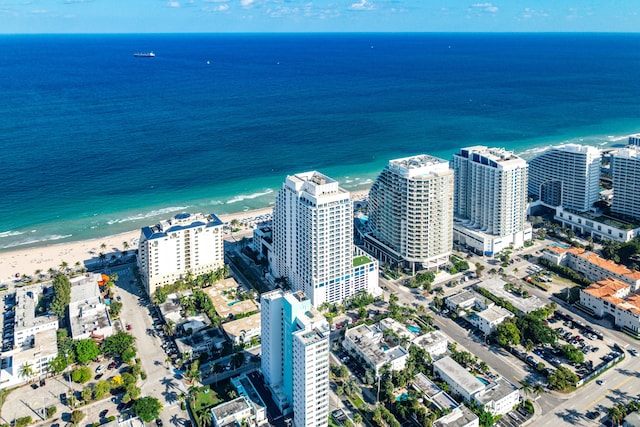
(100,369)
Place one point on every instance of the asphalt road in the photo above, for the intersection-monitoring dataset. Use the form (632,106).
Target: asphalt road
(161,381)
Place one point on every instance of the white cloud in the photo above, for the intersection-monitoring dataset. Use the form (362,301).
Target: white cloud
(173,3)
(362,5)
(246,3)
(219,8)
(529,13)
(485,7)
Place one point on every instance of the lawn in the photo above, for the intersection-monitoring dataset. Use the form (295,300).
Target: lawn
(206,398)
(361,260)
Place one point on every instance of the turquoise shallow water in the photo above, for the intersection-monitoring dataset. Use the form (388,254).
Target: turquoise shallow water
(95,142)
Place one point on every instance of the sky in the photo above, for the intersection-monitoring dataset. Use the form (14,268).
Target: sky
(215,16)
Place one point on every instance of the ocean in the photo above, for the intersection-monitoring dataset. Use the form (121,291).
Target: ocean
(94,142)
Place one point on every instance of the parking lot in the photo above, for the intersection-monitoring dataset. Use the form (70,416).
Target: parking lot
(596,351)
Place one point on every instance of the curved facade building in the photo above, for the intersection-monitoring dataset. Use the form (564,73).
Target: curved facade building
(411,212)
(567,176)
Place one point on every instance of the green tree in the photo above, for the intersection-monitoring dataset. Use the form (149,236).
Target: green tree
(62,295)
(117,344)
(51,411)
(87,393)
(617,413)
(26,370)
(115,308)
(507,333)
(81,375)
(147,408)
(100,389)
(86,350)
(77,416)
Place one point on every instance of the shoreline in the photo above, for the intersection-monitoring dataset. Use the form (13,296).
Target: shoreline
(29,260)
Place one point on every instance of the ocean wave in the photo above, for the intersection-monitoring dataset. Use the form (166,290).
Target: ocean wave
(249,196)
(367,182)
(10,233)
(32,241)
(150,214)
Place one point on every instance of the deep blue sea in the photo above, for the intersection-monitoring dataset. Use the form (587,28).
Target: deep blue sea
(94,141)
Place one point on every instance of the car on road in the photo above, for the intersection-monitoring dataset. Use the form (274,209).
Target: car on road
(601,382)
(128,327)
(103,413)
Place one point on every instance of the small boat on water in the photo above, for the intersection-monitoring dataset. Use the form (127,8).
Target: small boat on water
(144,55)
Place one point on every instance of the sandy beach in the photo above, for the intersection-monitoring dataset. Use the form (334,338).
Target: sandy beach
(29,260)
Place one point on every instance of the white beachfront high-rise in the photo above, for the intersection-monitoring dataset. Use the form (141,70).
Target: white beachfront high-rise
(490,199)
(567,176)
(295,356)
(625,173)
(313,241)
(185,243)
(410,211)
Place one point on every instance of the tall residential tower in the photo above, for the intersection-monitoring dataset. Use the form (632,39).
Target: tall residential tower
(567,176)
(410,211)
(625,173)
(185,243)
(490,199)
(295,356)
(313,241)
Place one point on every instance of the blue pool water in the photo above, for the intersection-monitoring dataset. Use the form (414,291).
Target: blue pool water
(384,347)
(231,303)
(560,245)
(403,396)
(413,329)
(483,381)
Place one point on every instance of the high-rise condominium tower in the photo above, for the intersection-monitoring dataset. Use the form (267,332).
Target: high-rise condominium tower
(295,356)
(567,176)
(625,173)
(410,212)
(313,241)
(185,243)
(490,199)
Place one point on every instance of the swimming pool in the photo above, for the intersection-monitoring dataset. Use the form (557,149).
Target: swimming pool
(231,303)
(413,329)
(403,396)
(482,380)
(560,245)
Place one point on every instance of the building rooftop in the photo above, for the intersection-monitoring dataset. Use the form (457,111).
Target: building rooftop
(432,392)
(493,157)
(419,166)
(632,419)
(463,298)
(227,409)
(370,341)
(245,387)
(200,341)
(495,285)
(238,327)
(397,327)
(606,287)
(459,417)
(496,391)
(430,338)
(88,316)
(595,259)
(494,313)
(222,296)
(27,299)
(44,344)
(461,376)
(313,336)
(85,287)
(180,222)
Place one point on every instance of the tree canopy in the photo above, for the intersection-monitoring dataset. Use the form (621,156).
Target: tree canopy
(86,350)
(147,408)
(117,344)
(62,295)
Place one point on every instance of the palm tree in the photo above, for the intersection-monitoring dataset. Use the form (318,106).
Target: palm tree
(102,257)
(64,265)
(125,246)
(538,389)
(617,413)
(37,273)
(103,246)
(526,387)
(26,370)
